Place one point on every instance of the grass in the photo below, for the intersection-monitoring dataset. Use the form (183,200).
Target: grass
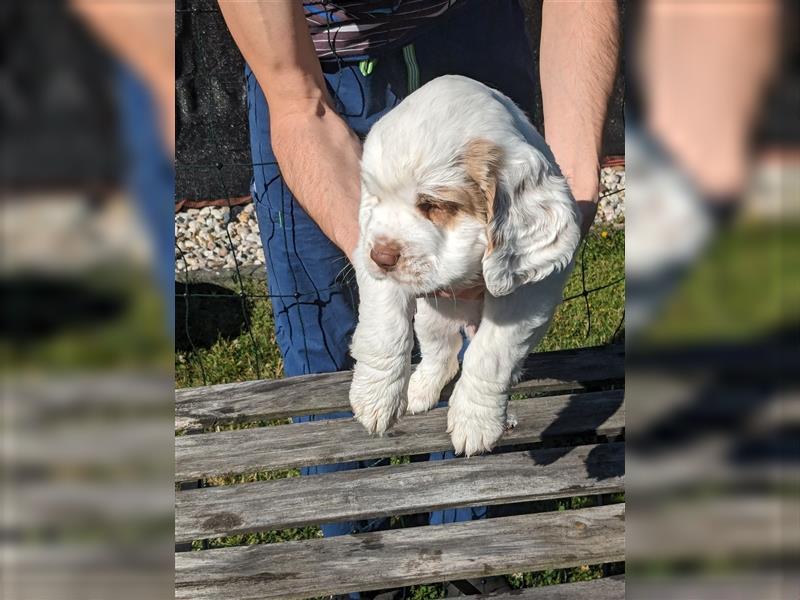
(106,318)
(575,325)
(593,319)
(745,286)
(246,357)
(252,355)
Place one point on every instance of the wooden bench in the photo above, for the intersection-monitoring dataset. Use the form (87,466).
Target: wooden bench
(566,445)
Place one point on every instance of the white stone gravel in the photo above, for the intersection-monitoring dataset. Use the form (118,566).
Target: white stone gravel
(611,207)
(202,243)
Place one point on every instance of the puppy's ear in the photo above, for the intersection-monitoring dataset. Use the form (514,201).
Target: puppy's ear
(482,160)
(532,220)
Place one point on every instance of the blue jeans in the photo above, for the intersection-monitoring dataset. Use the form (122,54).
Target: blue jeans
(150,177)
(314,310)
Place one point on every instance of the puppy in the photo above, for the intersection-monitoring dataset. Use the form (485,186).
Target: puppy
(457,188)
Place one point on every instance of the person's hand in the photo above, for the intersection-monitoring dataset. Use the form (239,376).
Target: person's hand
(580,167)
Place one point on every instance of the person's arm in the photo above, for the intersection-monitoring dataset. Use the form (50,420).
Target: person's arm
(143,35)
(577,66)
(317,152)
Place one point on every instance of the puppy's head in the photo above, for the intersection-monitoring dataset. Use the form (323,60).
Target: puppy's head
(500,212)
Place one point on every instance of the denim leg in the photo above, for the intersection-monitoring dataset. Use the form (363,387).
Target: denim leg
(454,515)
(314,310)
(150,176)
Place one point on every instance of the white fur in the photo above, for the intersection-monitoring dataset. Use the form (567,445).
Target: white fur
(416,149)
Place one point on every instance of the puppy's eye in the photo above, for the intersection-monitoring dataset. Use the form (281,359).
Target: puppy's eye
(434,209)
(425,206)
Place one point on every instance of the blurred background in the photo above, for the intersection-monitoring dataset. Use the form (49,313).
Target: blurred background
(713,300)
(86,336)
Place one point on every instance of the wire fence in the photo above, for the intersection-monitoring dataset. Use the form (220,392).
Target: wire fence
(240,283)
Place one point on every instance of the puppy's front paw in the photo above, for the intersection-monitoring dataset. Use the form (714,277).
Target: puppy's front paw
(377,401)
(475,427)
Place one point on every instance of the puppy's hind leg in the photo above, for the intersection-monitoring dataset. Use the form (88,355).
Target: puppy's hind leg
(440,340)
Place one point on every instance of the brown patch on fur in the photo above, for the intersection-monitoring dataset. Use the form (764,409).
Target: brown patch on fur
(446,205)
(449,204)
(482,160)
(470,199)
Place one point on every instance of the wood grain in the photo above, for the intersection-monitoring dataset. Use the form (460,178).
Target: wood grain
(404,557)
(325,442)
(607,588)
(197,408)
(399,489)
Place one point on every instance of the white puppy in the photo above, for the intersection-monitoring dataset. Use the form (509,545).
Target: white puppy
(457,186)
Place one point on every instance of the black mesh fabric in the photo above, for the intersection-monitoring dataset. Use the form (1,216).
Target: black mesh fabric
(211,134)
(57,120)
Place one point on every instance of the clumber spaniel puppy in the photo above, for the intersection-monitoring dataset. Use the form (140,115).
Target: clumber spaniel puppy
(457,188)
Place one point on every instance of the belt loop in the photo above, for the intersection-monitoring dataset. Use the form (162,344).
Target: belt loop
(412,69)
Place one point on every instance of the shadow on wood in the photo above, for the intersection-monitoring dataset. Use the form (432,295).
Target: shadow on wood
(574,413)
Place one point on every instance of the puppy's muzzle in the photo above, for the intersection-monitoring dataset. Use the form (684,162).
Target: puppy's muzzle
(385,255)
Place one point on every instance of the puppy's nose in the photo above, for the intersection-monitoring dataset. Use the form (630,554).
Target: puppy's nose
(385,255)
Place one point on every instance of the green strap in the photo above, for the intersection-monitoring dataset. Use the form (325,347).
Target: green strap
(412,69)
(366,66)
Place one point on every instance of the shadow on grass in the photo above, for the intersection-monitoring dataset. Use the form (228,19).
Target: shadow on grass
(204,313)
(39,307)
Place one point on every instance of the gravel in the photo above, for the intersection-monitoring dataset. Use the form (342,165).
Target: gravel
(611,207)
(202,242)
(202,239)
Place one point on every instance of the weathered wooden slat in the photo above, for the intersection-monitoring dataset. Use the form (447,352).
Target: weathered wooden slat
(405,556)
(49,505)
(325,442)
(96,568)
(607,588)
(400,489)
(744,583)
(243,402)
(721,528)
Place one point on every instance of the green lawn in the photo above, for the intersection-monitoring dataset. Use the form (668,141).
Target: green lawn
(745,286)
(252,355)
